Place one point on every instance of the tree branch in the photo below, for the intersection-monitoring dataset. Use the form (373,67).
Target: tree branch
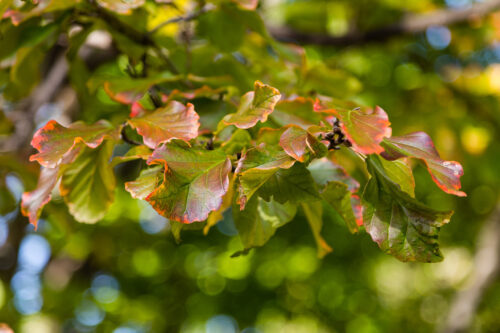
(411,24)
(486,264)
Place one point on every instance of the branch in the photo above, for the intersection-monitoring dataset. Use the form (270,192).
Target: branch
(486,264)
(409,25)
(185,18)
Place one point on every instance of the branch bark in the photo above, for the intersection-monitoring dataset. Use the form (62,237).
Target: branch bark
(411,24)
(487,264)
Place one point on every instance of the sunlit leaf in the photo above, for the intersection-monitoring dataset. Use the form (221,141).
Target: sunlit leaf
(88,184)
(54,142)
(298,111)
(121,6)
(173,121)
(446,174)
(298,142)
(146,183)
(194,183)
(254,106)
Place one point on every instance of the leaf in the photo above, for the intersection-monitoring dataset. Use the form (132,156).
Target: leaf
(337,195)
(222,28)
(145,184)
(298,111)
(33,202)
(134,153)
(294,184)
(173,121)
(54,142)
(365,128)
(323,170)
(254,106)
(237,142)
(400,173)
(258,222)
(217,215)
(121,6)
(194,183)
(247,4)
(314,215)
(256,167)
(446,174)
(88,184)
(400,225)
(297,142)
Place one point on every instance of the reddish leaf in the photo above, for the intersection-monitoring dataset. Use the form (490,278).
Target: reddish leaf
(254,106)
(357,209)
(446,174)
(56,142)
(173,121)
(195,181)
(297,142)
(33,202)
(365,128)
(203,92)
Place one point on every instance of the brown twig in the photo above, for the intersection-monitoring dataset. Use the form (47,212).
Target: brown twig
(410,24)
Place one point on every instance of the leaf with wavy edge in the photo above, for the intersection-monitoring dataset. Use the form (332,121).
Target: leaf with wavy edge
(446,174)
(195,181)
(364,127)
(254,106)
(145,184)
(399,224)
(314,215)
(298,142)
(173,121)
(324,170)
(255,168)
(33,202)
(54,142)
(88,183)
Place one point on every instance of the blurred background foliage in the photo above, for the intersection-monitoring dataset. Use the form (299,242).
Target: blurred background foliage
(127,274)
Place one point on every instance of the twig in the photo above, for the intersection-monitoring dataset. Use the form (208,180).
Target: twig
(185,18)
(487,264)
(409,25)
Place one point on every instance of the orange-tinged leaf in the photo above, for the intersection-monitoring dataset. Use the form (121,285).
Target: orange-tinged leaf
(173,121)
(297,142)
(254,106)
(145,184)
(446,174)
(33,202)
(298,111)
(194,183)
(55,142)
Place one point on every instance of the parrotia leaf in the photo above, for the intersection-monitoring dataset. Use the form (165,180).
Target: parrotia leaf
(145,184)
(254,106)
(256,167)
(194,183)
(400,173)
(258,222)
(446,174)
(337,195)
(54,142)
(314,215)
(297,142)
(400,225)
(33,202)
(324,170)
(88,184)
(298,111)
(173,121)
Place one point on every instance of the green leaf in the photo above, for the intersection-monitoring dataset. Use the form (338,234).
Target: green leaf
(194,183)
(399,224)
(88,184)
(324,170)
(222,28)
(314,215)
(145,184)
(399,172)
(446,174)
(258,222)
(337,195)
(173,121)
(254,106)
(298,142)
(238,141)
(55,142)
(298,111)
